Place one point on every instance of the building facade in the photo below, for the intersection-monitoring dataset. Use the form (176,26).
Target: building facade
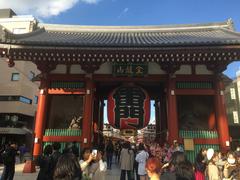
(178,67)
(18,92)
(232,97)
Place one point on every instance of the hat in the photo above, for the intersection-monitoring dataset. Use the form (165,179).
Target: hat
(210,153)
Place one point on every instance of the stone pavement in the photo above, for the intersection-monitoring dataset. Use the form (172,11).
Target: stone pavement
(113,174)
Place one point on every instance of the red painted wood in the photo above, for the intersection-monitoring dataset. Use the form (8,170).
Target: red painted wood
(66,91)
(67,77)
(195,78)
(212,121)
(88,113)
(148,78)
(40,121)
(62,138)
(221,116)
(202,141)
(172,112)
(195,92)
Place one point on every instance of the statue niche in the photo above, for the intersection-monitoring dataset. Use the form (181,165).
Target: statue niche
(76,122)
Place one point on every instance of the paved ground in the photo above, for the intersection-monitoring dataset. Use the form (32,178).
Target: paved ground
(112,174)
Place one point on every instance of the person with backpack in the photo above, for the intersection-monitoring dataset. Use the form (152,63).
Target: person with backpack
(8,157)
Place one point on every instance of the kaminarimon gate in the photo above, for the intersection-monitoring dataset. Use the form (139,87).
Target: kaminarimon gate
(178,67)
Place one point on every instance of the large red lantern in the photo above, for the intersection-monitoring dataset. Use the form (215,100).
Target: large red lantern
(128,108)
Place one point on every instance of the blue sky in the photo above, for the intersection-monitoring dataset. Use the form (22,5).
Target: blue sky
(131,12)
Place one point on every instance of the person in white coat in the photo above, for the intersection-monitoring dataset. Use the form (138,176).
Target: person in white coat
(141,158)
(126,161)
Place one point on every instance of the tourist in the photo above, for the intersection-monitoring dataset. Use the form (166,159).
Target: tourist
(75,149)
(153,168)
(141,158)
(45,164)
(67,168)
(168,156)
(126,161)
(158,152)
(220,164)
(169,169)
(201,164)
(184,171)
(22,150)
(98,168)
(231,168)
(177,147)
(55,155)
(109,153)
(212,169)
(86,159)
(152,150)
(135,165)
(8,157)
(237,152)
(117,151)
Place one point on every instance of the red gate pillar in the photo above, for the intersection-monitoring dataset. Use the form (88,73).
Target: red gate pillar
(40,119)
(221,116)
(172,111)
(88,113)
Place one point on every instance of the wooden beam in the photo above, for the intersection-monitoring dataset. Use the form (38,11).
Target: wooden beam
(66,91)
(203,141)
(195,92)
(62,138)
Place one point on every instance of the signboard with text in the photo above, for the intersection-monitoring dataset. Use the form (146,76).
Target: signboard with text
(130,69)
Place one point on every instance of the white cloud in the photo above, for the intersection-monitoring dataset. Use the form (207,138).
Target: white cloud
(124,11)
(42,8)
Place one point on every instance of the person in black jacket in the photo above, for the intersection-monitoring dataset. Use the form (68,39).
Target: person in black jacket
(75,150)
(109,153)
(55,155)
(8,157)
(45,164)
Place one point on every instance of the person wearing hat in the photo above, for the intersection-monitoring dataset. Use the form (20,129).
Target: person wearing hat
(212,169)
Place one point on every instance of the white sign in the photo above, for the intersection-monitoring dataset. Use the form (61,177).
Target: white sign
(232,93)
(235,117)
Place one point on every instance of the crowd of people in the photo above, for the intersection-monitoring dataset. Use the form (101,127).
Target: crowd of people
(141,162)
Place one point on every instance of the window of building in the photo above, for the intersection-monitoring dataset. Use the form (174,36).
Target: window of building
(233,94)
(31,75)
(9,98)
(16,98)
(15,77)
(235,117)
(25,100)
(19,30)
(35,99)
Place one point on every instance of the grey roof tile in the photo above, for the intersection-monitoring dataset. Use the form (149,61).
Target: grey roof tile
(133,36)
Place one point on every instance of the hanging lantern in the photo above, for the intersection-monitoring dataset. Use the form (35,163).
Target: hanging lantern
(128,108)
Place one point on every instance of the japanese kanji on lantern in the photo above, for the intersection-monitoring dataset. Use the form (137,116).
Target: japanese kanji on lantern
(128,108)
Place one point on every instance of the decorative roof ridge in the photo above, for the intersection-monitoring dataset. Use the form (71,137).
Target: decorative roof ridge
(29,34)
(159,28)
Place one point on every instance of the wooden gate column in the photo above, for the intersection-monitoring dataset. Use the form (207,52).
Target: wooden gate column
(172,119)
(88,113)
(221,116)
(40,119)
(172,111)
